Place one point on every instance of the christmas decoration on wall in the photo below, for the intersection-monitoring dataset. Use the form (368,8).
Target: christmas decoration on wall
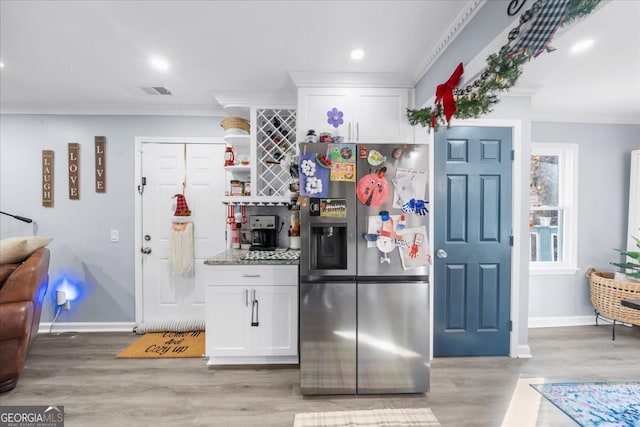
(181,238)
(444,95)
(181,242)
(531,37)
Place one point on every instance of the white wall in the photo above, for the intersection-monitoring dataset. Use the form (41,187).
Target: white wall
(81,248)
(603,188)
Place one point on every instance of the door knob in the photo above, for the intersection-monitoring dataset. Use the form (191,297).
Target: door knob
(441,253)
(146,250)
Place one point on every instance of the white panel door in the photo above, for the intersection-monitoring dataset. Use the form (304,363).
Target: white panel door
(168,296)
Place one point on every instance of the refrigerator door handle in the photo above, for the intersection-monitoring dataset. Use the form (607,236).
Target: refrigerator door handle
(349,131)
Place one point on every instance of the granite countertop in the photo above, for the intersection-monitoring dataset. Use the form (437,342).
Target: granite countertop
(242,257)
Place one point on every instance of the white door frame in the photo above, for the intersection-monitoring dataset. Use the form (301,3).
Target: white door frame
(516,350)
(139,140)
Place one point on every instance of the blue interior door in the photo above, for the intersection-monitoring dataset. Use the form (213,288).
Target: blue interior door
(472,239)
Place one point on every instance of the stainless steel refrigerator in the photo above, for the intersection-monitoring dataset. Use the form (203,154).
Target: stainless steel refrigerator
(364,264)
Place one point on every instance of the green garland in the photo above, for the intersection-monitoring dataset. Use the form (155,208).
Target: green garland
(501,74)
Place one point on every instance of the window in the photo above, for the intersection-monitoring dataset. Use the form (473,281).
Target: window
(553,203)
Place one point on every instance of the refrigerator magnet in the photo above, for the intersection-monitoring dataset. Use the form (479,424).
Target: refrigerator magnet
(408,184)
(375,158)
(373,189)
(314,178)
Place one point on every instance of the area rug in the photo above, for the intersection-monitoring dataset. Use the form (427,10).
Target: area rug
(368,418)
(596,404)
(162,345)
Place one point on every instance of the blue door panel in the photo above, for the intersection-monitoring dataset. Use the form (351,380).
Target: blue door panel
(489,208)
(457,209)
(489,294)
(457,150)
(456,296)
(490,150)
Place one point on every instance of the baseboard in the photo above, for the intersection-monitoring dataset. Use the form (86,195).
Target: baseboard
(87,327)
(524,352)
(555,322)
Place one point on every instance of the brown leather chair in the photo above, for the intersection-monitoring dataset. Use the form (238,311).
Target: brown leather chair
(21,298)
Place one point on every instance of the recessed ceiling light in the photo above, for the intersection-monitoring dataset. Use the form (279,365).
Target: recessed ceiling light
(357,54)
(159,64)
(581,46)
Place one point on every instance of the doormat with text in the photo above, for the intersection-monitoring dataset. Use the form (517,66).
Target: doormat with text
(159,345)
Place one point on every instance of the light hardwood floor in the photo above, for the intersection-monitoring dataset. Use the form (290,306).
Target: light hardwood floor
(79,371)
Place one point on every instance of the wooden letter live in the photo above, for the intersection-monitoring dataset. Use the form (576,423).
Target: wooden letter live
(47,178)
(101,166)
(74,165)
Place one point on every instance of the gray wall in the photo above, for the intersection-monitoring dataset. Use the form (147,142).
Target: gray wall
(81,250)
(603,201)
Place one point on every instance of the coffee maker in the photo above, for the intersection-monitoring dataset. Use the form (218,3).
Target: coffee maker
(264,232)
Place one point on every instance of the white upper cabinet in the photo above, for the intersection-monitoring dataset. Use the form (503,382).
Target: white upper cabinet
(370,115)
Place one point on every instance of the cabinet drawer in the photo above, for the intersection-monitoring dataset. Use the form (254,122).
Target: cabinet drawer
(253,275)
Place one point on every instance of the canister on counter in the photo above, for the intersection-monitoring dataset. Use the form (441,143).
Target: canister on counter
(311,136)
(237,188)
(326,137)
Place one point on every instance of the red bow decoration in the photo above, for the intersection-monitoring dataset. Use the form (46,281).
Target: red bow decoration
(445,92)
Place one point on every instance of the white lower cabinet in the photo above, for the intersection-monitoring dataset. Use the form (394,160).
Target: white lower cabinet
(252,314)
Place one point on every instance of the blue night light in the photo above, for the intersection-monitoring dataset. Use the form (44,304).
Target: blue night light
(72,289)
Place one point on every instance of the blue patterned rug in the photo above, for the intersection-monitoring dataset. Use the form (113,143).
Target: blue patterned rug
(596,404)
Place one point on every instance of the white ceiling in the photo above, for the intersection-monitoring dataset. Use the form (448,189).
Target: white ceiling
(92,56)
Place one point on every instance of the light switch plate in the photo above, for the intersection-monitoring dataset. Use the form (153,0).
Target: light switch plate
(114,236)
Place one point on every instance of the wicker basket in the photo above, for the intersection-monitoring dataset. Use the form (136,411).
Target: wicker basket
(235,123)
(606,294)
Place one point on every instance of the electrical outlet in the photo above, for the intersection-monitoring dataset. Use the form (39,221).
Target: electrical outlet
(61,297)
(114,236)
(67,305)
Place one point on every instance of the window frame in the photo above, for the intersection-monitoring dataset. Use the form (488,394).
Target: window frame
(567,202)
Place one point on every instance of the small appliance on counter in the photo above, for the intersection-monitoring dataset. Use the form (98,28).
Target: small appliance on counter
(264,231)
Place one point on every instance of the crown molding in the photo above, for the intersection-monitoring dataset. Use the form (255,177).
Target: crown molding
(456,27)
(116,109)
(237,101)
